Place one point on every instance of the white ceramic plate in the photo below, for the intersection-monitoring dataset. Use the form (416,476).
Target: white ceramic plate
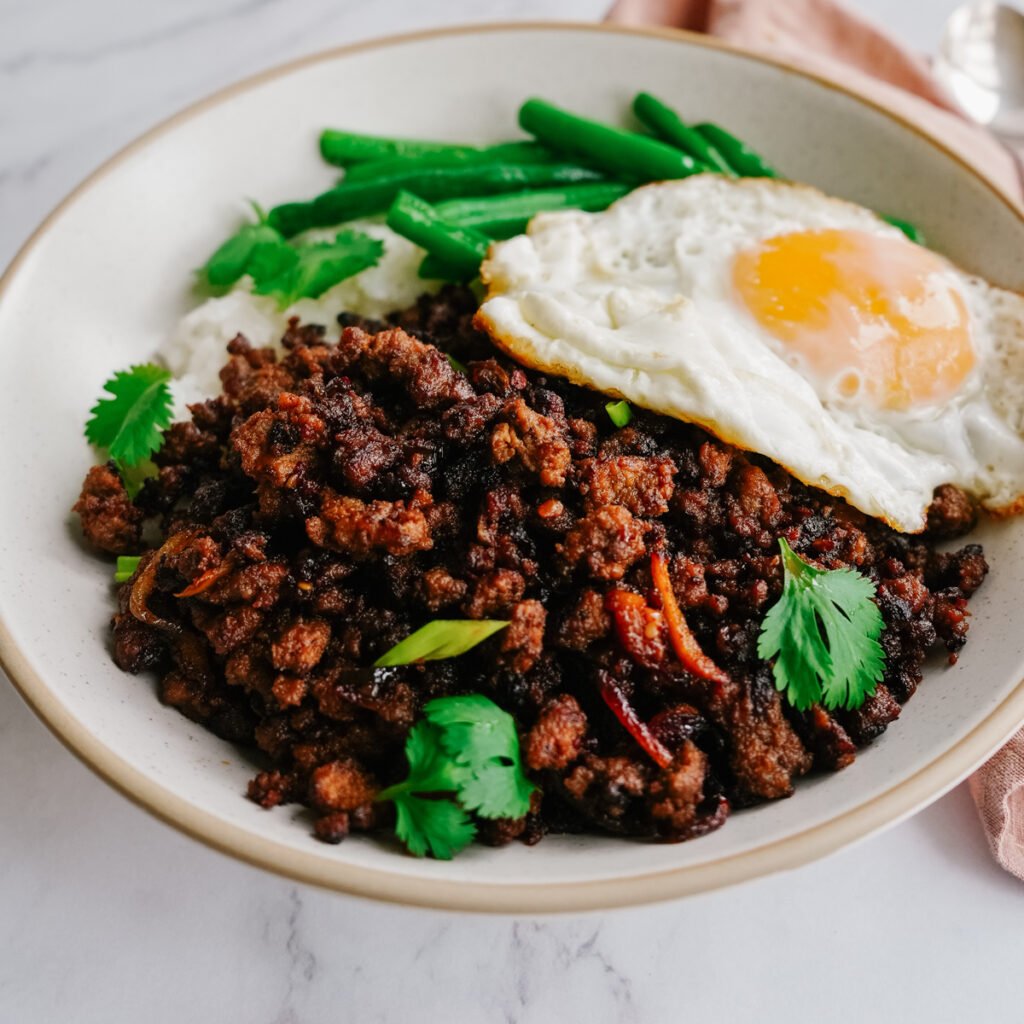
(107,275)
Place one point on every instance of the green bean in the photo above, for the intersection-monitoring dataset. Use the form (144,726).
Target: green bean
(504,153)
(623,154)
(290,218)
(502,229)
(433,268)
(740,157)
(363,198)
(461,248)
(503,215)
(500,216)
(912,231)
(344,148)
(670,127)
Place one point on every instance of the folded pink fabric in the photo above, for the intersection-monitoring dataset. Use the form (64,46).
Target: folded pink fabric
(832,42)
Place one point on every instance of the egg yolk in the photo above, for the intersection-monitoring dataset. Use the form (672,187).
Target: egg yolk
(867,315)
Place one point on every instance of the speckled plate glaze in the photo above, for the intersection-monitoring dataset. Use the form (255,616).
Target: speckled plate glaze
(107,274)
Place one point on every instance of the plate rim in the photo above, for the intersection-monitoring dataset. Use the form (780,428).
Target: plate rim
(887,809)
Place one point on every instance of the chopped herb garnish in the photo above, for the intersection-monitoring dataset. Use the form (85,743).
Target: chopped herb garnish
(129,424)
(256,249)
(442,638)
(126,566)
(429,824)
(823,633)
(456,365)
(307,271)
(620,413)
(482,740)
(436,826)
(285,270)
(463,757)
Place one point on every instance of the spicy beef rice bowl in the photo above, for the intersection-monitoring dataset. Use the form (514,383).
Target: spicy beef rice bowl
(451,559)
(443,592)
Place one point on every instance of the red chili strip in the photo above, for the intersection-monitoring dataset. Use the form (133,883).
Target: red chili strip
(207,579)
(684,643)
(641,629)
(623,711)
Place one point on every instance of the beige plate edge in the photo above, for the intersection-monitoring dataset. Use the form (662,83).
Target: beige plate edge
(887,809)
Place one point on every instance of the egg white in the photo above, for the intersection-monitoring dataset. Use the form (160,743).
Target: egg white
(638,302)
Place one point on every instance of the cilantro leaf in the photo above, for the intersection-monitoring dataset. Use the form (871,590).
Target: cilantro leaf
(317,266)
(464,756)
(440,827)
(796,671)
(478,735)
(858,662)
(823,633)
(441,638)
(472,726)
(498,789)
(430,769)
(269,260)
(287,271)
(130,423)
(252,246)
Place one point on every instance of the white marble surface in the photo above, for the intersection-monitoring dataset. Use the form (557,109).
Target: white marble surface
(108,916)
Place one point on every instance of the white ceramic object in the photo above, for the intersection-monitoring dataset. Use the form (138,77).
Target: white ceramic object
(106,276)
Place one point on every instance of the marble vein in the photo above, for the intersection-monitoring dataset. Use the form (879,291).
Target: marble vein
(301,961)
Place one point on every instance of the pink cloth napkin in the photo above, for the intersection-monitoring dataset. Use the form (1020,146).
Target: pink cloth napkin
(832,42)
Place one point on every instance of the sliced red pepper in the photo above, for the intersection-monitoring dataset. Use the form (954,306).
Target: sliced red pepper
(623,711)
(640,628)
(207,579)
(684,643)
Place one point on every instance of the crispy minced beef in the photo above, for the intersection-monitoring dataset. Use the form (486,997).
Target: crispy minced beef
(110,522)
(607,541)
(643,486)
(556,739)
(331,501)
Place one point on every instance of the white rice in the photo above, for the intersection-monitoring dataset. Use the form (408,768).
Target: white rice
(195,350)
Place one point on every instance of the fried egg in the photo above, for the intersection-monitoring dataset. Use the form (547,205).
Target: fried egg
(786,322)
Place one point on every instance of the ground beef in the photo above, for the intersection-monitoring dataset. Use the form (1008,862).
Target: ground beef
(536,440)
(556,739)
(643,486)
(110,522)
(357,528)
(332,501)
(340,786)
(606,541)
(952,513)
